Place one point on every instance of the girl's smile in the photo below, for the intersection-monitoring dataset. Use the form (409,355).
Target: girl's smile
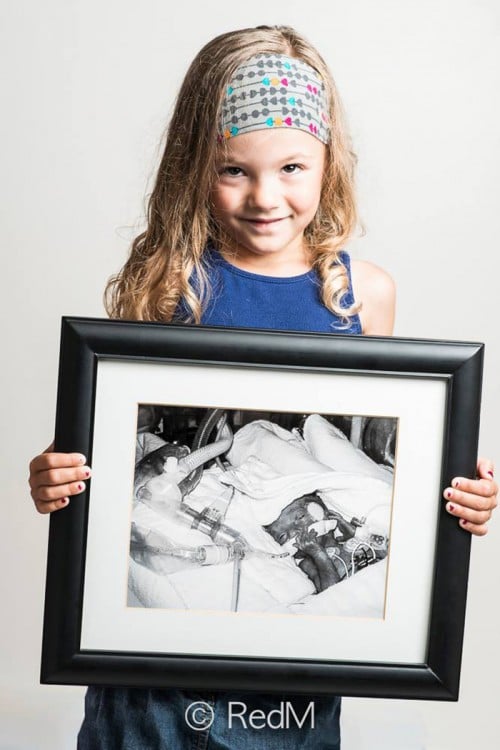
(262,222)
(267,192)
(263,225)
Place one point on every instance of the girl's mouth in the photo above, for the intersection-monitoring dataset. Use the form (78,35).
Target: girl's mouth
(262,222)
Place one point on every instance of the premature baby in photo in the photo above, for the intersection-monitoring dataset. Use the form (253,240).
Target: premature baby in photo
(326,546)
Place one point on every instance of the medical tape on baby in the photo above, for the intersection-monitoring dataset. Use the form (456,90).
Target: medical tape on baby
(320,527)
(323,527)
(275,91)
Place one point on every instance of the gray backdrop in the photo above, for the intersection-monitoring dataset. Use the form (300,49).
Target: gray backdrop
(87,90)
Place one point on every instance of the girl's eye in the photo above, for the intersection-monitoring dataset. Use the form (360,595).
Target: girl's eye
(232,171)
(292,168)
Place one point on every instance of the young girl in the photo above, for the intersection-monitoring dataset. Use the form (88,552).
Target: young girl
(252,208)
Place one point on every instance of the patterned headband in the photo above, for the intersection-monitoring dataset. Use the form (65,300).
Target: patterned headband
(269,91)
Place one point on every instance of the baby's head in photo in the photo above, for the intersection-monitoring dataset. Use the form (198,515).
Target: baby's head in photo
(297,516)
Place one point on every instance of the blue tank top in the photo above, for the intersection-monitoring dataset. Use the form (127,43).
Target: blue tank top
(249,300)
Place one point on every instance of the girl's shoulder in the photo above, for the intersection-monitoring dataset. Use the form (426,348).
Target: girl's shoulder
(374,288)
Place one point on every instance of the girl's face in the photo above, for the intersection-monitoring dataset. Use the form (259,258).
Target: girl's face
(267,191)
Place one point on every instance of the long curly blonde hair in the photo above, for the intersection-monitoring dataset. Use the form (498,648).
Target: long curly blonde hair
(159,271)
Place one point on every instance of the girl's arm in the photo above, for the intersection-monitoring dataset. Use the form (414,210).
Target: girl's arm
(375,290)
(472,501)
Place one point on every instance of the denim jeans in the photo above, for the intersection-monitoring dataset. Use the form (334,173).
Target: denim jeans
(138,719)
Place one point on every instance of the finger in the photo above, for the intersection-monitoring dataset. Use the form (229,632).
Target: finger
(483,486)
(55,461)
(49,507)
(479,517)
(54,477)
(47,494)
(474,493)
(473,528)
(485,468)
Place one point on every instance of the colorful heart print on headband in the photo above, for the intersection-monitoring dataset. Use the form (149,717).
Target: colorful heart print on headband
(275,91)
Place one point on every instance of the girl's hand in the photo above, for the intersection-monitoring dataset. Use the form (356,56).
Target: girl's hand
(54,477)
(472,501)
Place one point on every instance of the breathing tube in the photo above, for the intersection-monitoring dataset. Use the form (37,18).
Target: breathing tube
(201,452)
(143,539)
(166,492)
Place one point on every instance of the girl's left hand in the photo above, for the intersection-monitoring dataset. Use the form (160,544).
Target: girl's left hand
(472,501)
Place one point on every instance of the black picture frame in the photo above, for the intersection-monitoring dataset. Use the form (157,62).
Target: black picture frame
(86,343)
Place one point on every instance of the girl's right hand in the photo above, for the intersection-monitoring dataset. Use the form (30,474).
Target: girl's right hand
(54,477)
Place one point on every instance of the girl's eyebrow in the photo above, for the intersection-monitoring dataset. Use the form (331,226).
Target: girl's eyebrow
(227,159)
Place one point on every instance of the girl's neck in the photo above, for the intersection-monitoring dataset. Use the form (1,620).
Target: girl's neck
(272,264)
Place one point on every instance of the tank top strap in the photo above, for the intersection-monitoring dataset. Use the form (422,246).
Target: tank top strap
(345,259)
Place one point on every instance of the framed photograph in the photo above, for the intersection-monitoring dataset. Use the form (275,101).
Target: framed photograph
(265,511)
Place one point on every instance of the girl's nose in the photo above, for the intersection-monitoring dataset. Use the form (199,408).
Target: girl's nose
(263,195)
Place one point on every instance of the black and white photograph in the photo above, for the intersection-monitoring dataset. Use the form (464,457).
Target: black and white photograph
(257,511)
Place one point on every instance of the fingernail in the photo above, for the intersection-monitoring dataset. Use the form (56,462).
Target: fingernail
(448,493)
(463,521)
(456,483)
(64,501)
(80,486)
(450,507)
(81,458)
(87,473)
(490,473)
